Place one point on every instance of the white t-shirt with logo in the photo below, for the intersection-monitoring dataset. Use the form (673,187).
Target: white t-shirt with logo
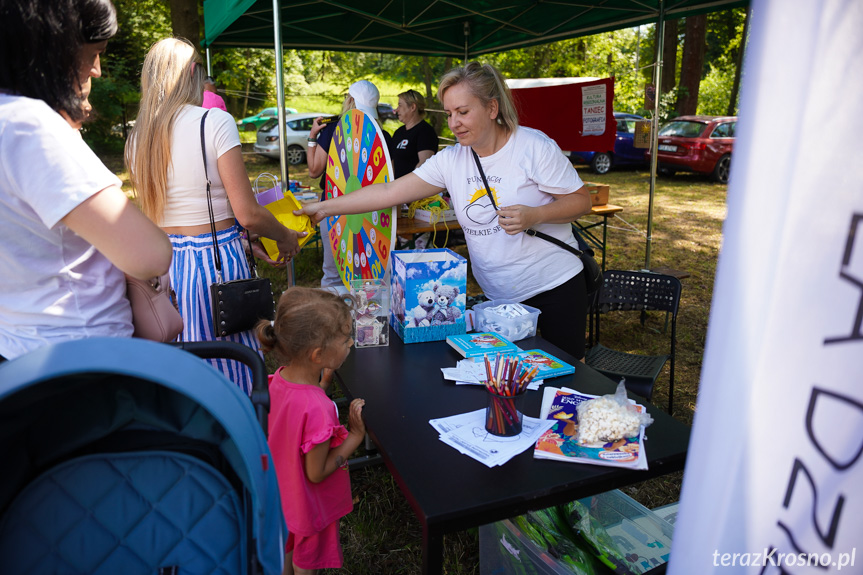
(54,285)
(529,170)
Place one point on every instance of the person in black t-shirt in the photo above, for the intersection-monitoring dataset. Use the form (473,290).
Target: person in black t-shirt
(416,141)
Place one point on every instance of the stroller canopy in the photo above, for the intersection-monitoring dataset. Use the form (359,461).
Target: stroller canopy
(60,399)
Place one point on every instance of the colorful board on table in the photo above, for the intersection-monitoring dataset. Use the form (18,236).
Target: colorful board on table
(358,157)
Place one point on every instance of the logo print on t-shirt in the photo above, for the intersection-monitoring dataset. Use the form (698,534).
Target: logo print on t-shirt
(403,145)
(479,210)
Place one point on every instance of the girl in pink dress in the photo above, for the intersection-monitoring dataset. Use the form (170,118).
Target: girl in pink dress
(311,336)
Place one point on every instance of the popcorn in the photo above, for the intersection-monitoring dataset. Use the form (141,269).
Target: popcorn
(604,419)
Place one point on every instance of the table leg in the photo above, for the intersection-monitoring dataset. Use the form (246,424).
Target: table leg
(432,551)
(604,239)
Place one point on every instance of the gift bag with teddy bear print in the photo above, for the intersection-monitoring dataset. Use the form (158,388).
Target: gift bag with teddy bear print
(427,294)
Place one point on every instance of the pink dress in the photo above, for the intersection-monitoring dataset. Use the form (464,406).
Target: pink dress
(302,416)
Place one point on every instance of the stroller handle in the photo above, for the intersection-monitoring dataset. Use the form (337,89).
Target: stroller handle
(243,354)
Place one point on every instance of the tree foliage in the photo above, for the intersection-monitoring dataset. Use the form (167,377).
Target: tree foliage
(246,76)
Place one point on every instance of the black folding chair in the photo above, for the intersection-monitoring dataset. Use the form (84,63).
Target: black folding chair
(636,292)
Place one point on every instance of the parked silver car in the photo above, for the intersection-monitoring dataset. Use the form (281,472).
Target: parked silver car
(298,128)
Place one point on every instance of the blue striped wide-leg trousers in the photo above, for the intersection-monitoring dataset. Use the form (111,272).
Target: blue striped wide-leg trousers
(192,271)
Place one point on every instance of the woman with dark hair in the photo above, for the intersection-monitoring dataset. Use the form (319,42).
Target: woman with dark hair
(69,231)
(533,186)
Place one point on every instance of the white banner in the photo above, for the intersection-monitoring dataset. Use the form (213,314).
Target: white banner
(774,479)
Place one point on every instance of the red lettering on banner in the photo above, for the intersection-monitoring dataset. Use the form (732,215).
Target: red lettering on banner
(382,249)
(385,219)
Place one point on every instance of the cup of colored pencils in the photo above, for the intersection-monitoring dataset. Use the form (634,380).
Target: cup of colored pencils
(506,382)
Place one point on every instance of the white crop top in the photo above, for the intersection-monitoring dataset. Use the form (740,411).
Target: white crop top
(187,186)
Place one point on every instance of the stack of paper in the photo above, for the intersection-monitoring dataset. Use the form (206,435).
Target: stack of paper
(466,433)
(559,441)
(470,372)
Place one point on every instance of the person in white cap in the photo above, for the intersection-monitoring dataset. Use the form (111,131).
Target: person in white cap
(362,95)
(366,97)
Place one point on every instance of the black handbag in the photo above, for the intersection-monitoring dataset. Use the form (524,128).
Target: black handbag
(237,305)
(592,272)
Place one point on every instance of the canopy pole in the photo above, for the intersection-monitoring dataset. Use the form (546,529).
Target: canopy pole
(280,91)
(209,66)
(466,39)
(280,103)
(654,134)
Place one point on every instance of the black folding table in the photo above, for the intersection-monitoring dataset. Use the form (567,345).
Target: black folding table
(404,388)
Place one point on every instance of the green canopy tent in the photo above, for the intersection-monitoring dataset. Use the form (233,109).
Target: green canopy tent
(458,28)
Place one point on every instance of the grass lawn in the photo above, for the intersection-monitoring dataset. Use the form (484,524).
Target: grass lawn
(382,534)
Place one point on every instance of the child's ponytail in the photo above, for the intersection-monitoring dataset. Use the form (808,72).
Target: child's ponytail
(267,335)
(306,318)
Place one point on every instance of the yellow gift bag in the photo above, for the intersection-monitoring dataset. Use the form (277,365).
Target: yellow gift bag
(282,205)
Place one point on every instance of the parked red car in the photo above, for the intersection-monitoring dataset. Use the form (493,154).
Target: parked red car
(701,144)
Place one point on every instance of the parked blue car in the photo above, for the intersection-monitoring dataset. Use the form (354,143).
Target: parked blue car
(624,151)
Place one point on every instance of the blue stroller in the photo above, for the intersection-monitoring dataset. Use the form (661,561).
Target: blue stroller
(128,456)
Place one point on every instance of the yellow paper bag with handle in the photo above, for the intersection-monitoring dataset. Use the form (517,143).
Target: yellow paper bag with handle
(282,205)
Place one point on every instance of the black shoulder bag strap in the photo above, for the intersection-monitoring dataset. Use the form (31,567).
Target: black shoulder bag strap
(529,231)
(216,254)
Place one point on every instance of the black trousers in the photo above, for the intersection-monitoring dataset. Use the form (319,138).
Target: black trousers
(563,320)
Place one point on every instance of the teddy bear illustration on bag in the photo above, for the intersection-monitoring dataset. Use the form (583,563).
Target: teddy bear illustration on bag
(444,311)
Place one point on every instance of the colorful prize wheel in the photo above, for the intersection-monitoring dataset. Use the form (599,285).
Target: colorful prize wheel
(358,157)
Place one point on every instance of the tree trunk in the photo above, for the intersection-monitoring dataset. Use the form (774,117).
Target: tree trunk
(669,56)
(246,99)
(185,22)
(738,70)
(693,62)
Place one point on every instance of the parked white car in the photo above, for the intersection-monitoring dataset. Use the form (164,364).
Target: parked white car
(296,137)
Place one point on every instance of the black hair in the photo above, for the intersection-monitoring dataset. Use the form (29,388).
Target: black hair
(41,43)
(98,20)
(209,80)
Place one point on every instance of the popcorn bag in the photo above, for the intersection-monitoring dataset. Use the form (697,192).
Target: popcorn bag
(427,294)
(610,418)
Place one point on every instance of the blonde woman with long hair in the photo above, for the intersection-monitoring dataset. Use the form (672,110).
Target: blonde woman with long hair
(166,169)
(533,185)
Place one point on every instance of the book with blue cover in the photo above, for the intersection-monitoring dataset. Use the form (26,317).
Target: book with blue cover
(546,364)
(479,344)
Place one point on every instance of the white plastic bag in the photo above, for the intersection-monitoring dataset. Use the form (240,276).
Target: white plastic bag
(610,418)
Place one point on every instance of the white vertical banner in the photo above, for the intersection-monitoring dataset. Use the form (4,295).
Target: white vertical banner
(774,478)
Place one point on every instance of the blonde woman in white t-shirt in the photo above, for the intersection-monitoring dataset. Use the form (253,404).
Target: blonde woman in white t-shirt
(534,186)
(165,163)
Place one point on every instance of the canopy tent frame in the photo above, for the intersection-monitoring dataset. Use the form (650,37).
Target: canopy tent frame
(486,26)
